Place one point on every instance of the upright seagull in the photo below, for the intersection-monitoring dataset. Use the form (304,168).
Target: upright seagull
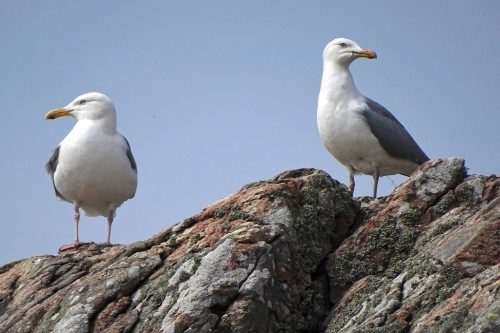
(93,167)
(360,133)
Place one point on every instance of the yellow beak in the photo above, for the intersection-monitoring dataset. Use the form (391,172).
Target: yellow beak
(56,113)
(366,54)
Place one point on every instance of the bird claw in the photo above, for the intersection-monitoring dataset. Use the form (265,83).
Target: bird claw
(74,245)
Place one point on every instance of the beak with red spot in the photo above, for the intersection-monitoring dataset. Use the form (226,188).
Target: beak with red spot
(56,113)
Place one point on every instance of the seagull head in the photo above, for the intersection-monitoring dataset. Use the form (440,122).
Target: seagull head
(343,51)
(91,106)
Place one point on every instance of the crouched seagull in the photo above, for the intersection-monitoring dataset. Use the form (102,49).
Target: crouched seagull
(93,167)
(360,133)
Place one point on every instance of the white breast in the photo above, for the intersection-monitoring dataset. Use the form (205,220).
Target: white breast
(94,171)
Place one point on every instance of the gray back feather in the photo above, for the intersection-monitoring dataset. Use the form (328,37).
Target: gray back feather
(391,134)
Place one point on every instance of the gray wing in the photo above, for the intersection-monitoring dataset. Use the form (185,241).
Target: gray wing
(391,134)
(51,167)
(130,155)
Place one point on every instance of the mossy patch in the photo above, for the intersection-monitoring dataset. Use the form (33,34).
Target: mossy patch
(444,204)
(225,227)
(237,213)
(194,239)
(443,227)
(348,269)
(492,316)
(311,229)
(231,212)
(410,216)
(387,245)
(446,276)
(315,223)
(465,194)
(221,211)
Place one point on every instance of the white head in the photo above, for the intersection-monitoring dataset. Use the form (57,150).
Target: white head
(343,51)
(90,106)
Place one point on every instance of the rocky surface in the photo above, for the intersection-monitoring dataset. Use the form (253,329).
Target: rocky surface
(292,254)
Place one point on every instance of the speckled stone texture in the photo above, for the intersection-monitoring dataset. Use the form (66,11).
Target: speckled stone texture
(292,254)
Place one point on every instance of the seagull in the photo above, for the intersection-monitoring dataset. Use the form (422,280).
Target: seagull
(360,133)
(93,167)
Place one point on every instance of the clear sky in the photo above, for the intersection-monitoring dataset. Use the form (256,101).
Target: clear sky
(216,94)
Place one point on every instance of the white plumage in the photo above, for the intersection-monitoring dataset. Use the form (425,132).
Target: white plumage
(93,167)
(360,133)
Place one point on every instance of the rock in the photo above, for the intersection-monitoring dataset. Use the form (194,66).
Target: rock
(425,260)
(292,254)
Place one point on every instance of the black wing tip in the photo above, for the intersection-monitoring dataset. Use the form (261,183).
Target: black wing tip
(130,156)
(423,160)
(132,160)
(422,157)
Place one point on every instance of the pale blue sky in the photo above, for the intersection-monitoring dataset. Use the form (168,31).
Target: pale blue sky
(216,94)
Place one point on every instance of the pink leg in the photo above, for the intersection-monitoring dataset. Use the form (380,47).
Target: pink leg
(76,217)
(76,243)
(111,215)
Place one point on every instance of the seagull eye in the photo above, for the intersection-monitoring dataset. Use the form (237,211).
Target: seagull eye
(342,44)
(82,102)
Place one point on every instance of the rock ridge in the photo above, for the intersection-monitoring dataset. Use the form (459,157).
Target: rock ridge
(291,254)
